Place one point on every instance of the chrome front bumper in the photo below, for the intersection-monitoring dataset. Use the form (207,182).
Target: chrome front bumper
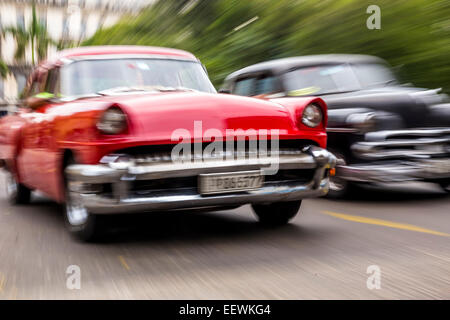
(396,172)
(83,180)
(400,155)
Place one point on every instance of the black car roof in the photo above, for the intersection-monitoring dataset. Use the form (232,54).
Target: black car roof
(282,65)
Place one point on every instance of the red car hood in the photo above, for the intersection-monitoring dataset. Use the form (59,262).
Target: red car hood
(157,116)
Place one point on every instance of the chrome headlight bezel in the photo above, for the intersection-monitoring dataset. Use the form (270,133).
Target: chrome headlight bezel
(363,122)
(312,115)
(112,121)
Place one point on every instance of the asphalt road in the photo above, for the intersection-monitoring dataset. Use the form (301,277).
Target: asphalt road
(323,253)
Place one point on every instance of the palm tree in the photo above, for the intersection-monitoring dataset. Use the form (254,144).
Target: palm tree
(36,33)
(3,73)
(3,69)
(21,36)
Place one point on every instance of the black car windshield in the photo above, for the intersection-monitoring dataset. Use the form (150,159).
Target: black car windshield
(328,79)
(86,77)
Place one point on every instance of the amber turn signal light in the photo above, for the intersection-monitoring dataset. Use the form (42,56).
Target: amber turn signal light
(332,172)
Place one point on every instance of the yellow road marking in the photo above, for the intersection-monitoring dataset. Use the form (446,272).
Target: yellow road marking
(124,263)
(384,223)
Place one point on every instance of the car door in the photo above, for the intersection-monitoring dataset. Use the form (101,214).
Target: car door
(34,162)
(46,148)
(27,159)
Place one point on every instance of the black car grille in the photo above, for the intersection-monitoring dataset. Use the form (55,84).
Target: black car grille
(163,152)
(405,144)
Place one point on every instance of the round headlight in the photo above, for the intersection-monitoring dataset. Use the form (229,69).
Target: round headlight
(312,116)
(112,121)
(363,122)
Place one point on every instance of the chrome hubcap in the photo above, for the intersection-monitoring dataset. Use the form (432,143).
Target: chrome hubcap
(77,213)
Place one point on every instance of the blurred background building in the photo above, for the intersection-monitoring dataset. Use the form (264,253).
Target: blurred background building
(66,23)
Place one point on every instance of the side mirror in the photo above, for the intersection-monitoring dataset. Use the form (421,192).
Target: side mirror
(224,90)
(36,102)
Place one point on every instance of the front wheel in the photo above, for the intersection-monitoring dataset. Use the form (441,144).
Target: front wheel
(16,192)
(83,225)
(277,213)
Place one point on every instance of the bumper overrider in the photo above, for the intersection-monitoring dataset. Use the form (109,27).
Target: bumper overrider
(88,182)
(400,155)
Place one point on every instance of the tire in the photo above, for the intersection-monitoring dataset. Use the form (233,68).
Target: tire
(83,225)
(16,193)
(277,213)
(445,185)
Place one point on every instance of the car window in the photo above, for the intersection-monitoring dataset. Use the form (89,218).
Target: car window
(265,84)
(244,87)
(316,80)
(374,74)
(50,83)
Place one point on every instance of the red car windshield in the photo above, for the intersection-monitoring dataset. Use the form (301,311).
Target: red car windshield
(86,77)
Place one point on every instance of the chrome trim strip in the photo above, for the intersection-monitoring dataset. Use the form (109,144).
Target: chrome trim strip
(398,172)
(128,56)
(385,134)
(105,174)
(399,154)
(403,142)
(342,130)
(170,170)
(222,156)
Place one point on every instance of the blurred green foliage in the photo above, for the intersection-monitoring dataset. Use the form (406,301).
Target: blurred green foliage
(414,34)
(3,69)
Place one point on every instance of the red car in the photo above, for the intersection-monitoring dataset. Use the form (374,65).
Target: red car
(117,129)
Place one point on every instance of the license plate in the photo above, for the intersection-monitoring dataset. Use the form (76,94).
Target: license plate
(230,182)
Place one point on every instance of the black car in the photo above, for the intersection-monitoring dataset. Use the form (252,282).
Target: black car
(380,130)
